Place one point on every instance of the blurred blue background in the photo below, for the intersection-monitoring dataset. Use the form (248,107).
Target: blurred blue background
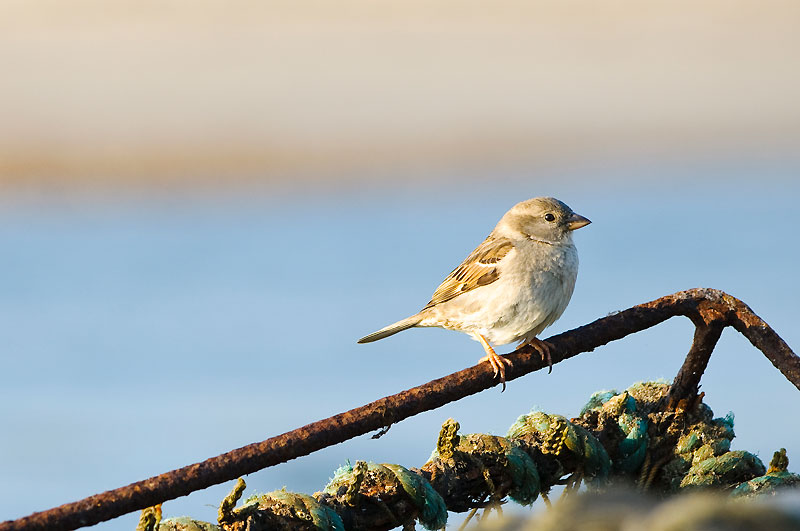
(204,204)
(144,334)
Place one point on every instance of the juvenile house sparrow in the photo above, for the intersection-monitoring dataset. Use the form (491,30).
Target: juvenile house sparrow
(512,286)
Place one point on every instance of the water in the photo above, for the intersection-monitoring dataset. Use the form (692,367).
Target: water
(144,334)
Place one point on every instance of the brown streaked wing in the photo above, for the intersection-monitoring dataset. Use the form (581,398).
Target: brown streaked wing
(478,269)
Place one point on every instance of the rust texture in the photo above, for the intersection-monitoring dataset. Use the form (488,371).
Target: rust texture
(687,381)
(710,310)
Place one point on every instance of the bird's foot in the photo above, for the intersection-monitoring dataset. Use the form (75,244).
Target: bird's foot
(497,362)
(543,348)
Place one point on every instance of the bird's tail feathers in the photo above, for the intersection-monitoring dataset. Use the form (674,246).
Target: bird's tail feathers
(392,329)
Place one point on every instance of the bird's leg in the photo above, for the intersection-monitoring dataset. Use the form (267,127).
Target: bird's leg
(543,348)
(497,362)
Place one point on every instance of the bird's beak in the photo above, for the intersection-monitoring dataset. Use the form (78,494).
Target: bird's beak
(576,221)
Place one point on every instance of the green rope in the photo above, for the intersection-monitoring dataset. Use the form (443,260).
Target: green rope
(433,511)
(184,523)
(618,436)
(431,506)
(777,477)
(526,484)
(565,441)
(305,507)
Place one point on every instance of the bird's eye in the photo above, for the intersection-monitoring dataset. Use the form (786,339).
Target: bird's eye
(549,217)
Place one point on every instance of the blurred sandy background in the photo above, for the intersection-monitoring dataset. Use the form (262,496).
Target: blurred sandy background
(98,92)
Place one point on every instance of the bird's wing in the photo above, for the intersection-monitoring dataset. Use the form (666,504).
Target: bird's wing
(478,269)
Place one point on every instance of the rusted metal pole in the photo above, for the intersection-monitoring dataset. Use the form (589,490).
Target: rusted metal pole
(697,304)
(687,382)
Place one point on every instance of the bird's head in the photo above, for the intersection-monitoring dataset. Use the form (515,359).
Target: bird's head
(541,218)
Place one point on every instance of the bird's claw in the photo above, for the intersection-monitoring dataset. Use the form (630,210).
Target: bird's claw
(543,348)
(497,362)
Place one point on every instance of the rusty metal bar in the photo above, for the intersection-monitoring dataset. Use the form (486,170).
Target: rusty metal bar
(687,381)
(703,306)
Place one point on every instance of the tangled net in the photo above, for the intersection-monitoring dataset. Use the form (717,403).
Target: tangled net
(628,438)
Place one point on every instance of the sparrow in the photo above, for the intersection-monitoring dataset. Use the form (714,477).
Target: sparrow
(511,287)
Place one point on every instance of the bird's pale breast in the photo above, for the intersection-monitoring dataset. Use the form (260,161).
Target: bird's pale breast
(533,289)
